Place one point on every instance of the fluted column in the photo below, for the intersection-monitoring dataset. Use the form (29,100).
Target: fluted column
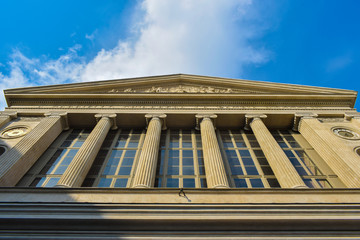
(84,158)
(19,159)
(146,170)
(213,162)
(280,164)
(6,117)
(340,157)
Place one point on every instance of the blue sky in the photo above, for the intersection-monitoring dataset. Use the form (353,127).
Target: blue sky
(309,42)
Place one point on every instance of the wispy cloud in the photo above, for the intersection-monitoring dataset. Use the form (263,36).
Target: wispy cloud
(338,63)
(199,37)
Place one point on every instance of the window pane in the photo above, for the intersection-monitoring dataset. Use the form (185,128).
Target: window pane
(188,170)
(188,183)
(125,171)
(251,170)
(240,183)
(52,182)
(188,161)
(236,170)
(256,183)
(105,182)
(187,153)
(172,183)
(121,183)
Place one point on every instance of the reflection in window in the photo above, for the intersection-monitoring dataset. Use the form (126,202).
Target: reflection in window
(245,160)
(180,163)
(304,165)
(114,164)
(48,170)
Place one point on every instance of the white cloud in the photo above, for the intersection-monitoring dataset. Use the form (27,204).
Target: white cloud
(199,37)
(206,37)
(338,63)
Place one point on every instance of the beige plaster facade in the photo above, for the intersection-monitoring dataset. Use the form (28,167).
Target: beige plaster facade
(180,156)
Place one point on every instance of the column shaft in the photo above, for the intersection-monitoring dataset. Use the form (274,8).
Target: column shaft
(214,165)
(19,159)
(284,171)
(146,169)
(84,158)
(340,158)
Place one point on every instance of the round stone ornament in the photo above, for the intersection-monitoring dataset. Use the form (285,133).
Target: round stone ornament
(14,132)
(346,133)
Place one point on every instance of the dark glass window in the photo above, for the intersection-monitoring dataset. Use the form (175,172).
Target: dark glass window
(180,161)
(245,160)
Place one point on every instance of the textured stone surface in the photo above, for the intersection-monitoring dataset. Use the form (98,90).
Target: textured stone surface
(284,171)
(214,165)
(146,169)
(19,159)
(340,157)
(84,158)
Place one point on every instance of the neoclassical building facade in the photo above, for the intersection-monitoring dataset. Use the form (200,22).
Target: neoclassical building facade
(180,156)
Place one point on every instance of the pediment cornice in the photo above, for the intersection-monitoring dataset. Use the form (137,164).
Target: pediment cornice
(180,86)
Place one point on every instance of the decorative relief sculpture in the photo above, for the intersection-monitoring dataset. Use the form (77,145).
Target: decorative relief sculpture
(176,89)
(14,132)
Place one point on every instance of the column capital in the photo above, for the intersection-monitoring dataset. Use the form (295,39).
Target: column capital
(299,116)
(62,115)
(160,116)
(251,117)
(351,115)
(111,116)
(12,115)
(200,117)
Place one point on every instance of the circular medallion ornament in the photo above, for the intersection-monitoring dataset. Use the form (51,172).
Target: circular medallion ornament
(14,132)
(346,133)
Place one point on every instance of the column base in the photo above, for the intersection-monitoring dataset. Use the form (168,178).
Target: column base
(221,186)
(141,186)
(62,186)
(300,186)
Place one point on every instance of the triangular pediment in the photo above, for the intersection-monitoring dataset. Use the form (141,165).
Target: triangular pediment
(175,84)
(182,89)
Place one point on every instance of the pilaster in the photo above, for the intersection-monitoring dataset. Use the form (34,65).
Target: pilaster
(84,158)
(19,159)
(284,171)
(340,158)
(146,169)
(214,165)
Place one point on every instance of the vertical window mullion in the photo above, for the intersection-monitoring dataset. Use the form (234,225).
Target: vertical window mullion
(195,160)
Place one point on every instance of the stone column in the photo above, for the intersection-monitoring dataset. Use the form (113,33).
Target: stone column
(146,169)
(213,162)
(284,171)
(6,117)
(340,157)
(84,158)
(19,159)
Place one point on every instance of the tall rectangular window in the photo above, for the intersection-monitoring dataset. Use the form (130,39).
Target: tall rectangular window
(180,163)
(245,161)
(48,170)
(306,167)
(115,163)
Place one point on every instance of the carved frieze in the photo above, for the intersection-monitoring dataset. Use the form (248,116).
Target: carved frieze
(177,89)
